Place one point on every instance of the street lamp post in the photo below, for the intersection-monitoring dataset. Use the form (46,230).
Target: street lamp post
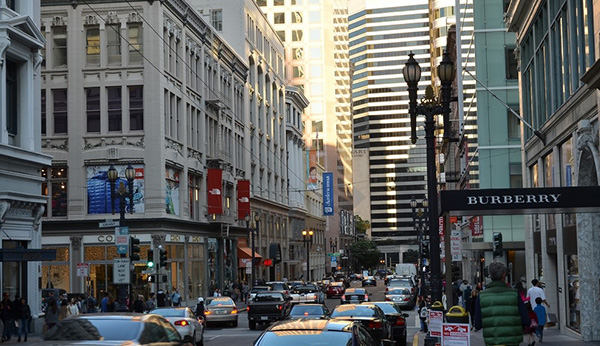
(307,237)
(123,194)
(420,222)
(430,107)
(254,233)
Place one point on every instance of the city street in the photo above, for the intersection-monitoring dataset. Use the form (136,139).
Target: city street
(242,336)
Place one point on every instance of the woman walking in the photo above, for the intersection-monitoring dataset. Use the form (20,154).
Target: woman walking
(24,317)
(72,308)
(52,312)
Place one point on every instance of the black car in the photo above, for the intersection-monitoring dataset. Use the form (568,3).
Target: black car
(397,319)
(318,332)
(309,311)
(369,281)
(355,296)
(370,315)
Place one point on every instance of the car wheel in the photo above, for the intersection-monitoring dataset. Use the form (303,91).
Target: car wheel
(252,325)
(328,296)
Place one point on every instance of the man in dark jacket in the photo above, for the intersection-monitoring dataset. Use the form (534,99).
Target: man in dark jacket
(500,311)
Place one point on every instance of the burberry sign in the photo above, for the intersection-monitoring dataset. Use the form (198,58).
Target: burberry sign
(513,199)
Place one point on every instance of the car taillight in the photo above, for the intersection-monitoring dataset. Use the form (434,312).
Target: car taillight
(366,297)
(387,299)
(400,321)
(207,312)
(374,325)
(386,290)
(280,307)
(343,297)
(182,323)
(406,299)
(248,308)
(234,311)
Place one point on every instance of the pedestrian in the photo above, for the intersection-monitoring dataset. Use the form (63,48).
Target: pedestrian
(529,330)
(522,293)
(6,315)
(465,292)
(471,307)
(51,317)
(63,311)
(24,318)
(138,304)
(176,297)
(500,309)
(104,303)
(217,293)
(72,308)
(91,304)
(423,314)
(151,302)
(246,292)
(536,291)
(540,312)
(200,308)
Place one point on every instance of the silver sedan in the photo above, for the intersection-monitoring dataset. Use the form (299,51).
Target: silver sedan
(185,321)
(221,309)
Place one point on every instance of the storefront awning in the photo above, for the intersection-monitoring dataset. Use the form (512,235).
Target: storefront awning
(246,252)
(26,255)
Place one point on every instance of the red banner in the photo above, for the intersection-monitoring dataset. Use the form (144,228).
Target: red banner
(476,226)
(215,187)
(243,195)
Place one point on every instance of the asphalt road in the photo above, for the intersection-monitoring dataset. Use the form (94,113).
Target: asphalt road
(224,335)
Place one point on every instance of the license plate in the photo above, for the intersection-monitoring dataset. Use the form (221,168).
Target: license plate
(264,318)
(220,312)
(354,301)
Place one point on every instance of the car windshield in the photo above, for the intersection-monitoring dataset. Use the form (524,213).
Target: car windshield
(400,283)
(399,291)
(278,287)
(355,291)
(269,297)
(170,312)
(260,289)
(219,301)
(306,310)
(306,289)
(388,308)
(348,310)
(306,338)
(95,329)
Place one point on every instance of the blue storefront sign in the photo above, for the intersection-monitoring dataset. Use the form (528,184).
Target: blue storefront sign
(327,193)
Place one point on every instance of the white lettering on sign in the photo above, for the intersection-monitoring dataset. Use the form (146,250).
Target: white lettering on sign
(513,199)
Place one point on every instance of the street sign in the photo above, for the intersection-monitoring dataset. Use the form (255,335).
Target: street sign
(149,271)
(122,240)
(456,334)
(436,318)
(121,273)
(334,254)
(249,267)
(83,269)
(108,224)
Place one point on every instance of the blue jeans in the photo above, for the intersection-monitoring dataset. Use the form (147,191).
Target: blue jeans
(539,331)
(23,327)
(8,324)
(423,325)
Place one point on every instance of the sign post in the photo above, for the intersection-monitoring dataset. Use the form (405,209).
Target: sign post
(83,269)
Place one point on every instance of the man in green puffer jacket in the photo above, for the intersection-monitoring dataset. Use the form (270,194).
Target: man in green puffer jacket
(500,311)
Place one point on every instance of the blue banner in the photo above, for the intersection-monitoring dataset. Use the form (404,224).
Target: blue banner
(327,193)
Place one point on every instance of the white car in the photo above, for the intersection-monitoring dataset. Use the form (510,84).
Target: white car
(185,321)
(307,293)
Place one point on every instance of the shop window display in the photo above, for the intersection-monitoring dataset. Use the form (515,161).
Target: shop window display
(573,292)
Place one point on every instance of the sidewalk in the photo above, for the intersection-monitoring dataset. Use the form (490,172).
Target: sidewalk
(552,337)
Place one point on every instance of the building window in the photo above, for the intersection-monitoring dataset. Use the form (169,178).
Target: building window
(135,44)
(136,108)
(278,2)
(93,109)
(298,71)
(59,46)
(114,109)
(297,35)
(511,64)
(12,97)
(43,49)
(279,18)
(516,178)
(281,34)
(113,44)
(43,106)
(261,2)
(56,186)
(11,4)
(92,46)
(217,19)
(59,114)
(296,17)
(514,124)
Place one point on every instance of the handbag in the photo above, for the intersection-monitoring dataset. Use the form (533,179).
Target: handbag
(551,320)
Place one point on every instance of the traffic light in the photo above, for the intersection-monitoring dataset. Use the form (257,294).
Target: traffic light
(498,252)
(162,258)
(425,249)
(134,249)
(150,262)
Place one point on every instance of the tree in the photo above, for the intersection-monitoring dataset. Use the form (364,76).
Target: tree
(366,253)
(410,256)
(361,225)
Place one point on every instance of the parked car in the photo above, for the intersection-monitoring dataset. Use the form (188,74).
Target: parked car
(185,321)
(221,309)
(355,296)
(321,332)
(257,289)
(397,319)
(267,307)
(108,329)
(309,311)
(369,315)
(369,281)
(335,289)
(401,296)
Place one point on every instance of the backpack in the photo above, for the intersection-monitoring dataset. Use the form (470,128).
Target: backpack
(424,313)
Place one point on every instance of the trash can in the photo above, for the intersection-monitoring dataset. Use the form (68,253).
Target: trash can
(457,314)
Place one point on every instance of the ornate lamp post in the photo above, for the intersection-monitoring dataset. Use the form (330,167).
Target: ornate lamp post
(123,194)
(420,221)
(307,237)
(430,107)
(254,233)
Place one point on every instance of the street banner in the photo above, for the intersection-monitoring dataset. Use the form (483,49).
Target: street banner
(476,226)
(436,318)
(455,245)
(456,334)
(243,195)
(214,186)
(313,178)
(327,193)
